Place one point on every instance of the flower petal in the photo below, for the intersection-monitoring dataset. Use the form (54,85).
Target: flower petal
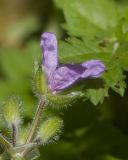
(65,76)
(68,74)
(49,49)
(93,69)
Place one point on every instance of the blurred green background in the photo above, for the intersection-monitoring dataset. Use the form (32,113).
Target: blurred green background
(90,132)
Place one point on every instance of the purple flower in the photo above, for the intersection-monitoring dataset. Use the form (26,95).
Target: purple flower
(60,77)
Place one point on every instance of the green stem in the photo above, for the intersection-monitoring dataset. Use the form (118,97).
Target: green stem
(33,129)
(14,134)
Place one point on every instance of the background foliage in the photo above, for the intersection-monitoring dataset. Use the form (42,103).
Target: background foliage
(95,129)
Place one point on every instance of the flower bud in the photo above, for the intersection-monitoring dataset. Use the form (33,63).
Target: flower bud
(11,111)
(50,129)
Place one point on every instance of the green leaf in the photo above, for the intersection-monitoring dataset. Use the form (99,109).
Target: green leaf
(78,51)
(97,30)
(89,18)
(97,95)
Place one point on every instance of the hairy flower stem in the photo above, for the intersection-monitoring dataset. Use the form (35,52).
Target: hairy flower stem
(35,123)
(14,134)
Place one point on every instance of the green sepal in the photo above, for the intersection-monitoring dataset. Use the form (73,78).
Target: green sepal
(40,84)
(61,101)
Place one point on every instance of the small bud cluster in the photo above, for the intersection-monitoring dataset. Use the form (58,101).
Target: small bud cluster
(24,142)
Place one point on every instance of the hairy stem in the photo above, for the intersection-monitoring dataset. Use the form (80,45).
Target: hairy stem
(35,123)
(14,134)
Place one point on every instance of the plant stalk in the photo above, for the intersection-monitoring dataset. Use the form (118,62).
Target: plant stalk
(14,134)
(33,128)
